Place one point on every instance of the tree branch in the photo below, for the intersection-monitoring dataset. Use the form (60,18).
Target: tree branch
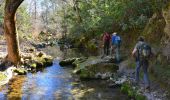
(12,5)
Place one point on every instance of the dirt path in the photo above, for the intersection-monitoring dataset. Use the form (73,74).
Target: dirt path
(157,92)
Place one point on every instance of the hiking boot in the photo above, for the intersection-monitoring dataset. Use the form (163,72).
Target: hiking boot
(102,56)
(134,83)
(147,89)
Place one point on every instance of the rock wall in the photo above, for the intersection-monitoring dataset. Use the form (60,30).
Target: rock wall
(154,30)
(166,15)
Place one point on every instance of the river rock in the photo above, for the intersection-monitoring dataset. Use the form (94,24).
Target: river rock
(40,60)
(67,62)
(40,54)
(109,59)
(20,71)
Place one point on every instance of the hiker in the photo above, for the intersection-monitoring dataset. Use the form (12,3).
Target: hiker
(142,53)
(116,41)
(106,42)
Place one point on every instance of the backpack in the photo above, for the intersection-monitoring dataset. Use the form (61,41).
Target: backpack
(107,37)
(144,51)
(117,40)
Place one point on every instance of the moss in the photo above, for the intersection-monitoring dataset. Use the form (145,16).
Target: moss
(154,30)
(74,83)
(2,76)
(84,74)
(91,47)
(125,88)
(67,62)
(140,97)
(48,61)
(20,71)
(90,67)
(42,61)
(132,93)
(34,65)
(78,61)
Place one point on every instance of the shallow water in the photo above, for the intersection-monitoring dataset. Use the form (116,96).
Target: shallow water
(56,83)
(43,85)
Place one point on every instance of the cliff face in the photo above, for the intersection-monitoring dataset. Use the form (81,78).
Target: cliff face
(157,33)
(154,30)
(166,15)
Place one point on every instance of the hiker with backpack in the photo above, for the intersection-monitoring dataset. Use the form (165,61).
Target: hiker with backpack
(106,42)
(142,53)
(116,42)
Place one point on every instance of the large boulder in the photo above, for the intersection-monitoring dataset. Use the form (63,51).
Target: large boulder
(20,71)
(67,62)
(72,61)
(96,68)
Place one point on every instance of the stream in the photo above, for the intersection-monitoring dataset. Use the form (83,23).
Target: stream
(57,83)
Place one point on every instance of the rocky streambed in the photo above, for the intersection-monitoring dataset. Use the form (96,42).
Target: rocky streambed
(95,68)
(57,83)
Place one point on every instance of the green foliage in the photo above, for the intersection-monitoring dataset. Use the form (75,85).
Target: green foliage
(92,17)
(131,92)
(1,13)
(91,47)
(23,21)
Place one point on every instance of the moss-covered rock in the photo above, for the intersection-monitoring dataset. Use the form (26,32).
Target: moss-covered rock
(20,71)
(2,76)
(48,61)
(40,60)
(67,62)
(92,66)
(78,61)
(33,65)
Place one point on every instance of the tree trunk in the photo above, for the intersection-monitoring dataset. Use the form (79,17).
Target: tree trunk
(11,31)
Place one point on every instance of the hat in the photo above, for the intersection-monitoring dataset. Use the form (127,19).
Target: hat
(140,38)
(114,33)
